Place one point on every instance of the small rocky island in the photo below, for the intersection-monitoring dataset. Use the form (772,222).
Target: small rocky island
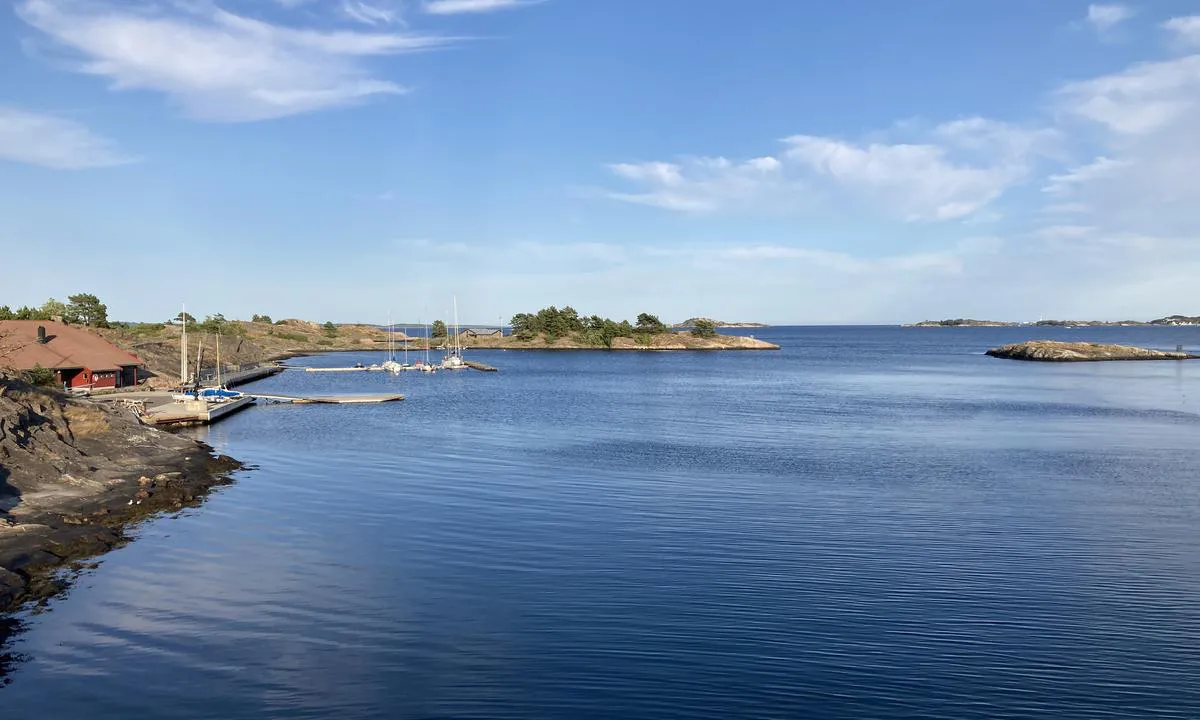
(553,328)
(1053,351)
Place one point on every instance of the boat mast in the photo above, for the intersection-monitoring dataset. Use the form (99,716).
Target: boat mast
(218,358)
(457,342)
(199,350)
(183,363)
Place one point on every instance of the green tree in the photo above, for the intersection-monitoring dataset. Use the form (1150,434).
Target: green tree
(41,376)
(261,319)
(86,309)
(704,328)
(27,313)
(214,324)
(53,308)
(439,329)
(331,330)
(184,317)
(6,313)
(524,326)
(648,323)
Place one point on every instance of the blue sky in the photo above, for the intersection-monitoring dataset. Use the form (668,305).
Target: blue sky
(864,162)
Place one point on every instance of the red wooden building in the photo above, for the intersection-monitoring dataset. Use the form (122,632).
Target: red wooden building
(79,357)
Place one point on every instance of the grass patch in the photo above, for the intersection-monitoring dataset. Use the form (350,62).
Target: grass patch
(293,337)
(144,330)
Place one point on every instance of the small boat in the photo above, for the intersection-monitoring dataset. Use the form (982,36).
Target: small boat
(218,394)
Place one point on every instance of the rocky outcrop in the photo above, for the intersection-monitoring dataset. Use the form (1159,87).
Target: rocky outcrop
(1052,351)
(73,474)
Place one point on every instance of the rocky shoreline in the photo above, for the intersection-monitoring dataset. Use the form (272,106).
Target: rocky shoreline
(1053,351)
(74,476)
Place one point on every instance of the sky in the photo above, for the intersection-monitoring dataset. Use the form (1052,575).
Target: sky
(784,162)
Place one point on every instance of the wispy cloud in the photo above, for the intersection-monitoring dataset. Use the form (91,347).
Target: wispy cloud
(1139,100)
(1186,29)
(217,65)
(460,7)
(372,13)
(963,166)
(1105,17)
(1099,168)
(1143,122)
(52,142)
(916,182)
(702,184)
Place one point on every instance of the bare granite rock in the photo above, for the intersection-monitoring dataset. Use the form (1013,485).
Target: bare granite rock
(1054,351)
(71,479)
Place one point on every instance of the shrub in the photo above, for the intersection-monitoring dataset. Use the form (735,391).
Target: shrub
(704,328)
(41,376)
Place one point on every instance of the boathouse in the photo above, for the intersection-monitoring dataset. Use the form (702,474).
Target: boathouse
(79,357)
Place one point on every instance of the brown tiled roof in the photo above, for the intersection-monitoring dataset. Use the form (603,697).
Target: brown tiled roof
(68,346)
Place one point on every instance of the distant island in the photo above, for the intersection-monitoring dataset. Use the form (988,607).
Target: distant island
(691,323)
(1170,320)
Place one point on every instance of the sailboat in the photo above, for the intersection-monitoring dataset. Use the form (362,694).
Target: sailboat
(453,359)
(426,365)
(217,393)
(391,365)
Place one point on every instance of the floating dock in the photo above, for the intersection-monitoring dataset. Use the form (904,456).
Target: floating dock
(474,365)
(327,399)
(241,377)
(193,412)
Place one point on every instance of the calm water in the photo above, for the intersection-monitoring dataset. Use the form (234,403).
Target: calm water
(873,523)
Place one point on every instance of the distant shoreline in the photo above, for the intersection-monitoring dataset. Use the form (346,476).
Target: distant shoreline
(1168,321)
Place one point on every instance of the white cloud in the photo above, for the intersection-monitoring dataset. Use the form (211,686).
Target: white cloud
(966,165)
(460,7)
(1139,100)
(217,65)
(1143,120)
(1186,29)
(702,184)
(916,182)
(54,143)
(1106,17)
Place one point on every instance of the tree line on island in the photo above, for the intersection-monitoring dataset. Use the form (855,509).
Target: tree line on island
(79,309)
(554,323)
